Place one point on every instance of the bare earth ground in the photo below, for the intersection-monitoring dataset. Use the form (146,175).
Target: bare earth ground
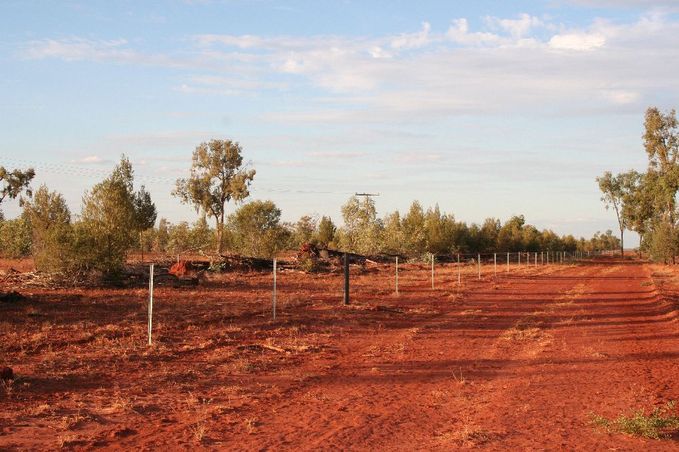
(520,361)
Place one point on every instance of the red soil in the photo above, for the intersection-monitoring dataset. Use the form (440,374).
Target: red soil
(520,361)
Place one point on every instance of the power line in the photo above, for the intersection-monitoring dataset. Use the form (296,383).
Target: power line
(82,171)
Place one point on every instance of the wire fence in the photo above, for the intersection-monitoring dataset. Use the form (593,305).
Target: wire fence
(441,273)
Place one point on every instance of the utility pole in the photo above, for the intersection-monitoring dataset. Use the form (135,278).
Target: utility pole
(367,195)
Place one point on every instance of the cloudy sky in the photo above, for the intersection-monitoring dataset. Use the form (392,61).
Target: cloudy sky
(489,108)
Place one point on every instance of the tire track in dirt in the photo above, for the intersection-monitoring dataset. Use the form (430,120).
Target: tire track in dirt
(514,362)
(460,379)
(553,388)
(388,389)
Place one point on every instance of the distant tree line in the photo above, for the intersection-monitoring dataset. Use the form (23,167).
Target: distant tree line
(645,202)
(115,219)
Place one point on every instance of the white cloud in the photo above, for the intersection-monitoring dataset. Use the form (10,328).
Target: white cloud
(413,40)
(92,160)
(227,86)
(577,41)
(76,49)
(459,33)
(517,28)
(643,4)
(503,66)
(622,97)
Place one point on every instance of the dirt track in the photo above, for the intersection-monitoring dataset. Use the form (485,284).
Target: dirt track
(517,361)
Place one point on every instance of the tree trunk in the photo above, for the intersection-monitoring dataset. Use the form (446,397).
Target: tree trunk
(622,243)
(220,234)
(641,241)
(141,245)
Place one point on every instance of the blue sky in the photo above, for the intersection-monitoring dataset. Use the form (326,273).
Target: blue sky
(487,108)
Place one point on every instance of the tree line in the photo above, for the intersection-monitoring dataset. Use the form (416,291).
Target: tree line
(115,219)
(645,202)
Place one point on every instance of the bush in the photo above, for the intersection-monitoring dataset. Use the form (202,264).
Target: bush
(659,424)
(15,238)
(51,227)
(256,230)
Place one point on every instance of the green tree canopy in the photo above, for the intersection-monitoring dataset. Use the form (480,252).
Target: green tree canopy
(12,183)
(256,229)
(50,220)
(217,177)
(362,230)
(109,220)
(326,231)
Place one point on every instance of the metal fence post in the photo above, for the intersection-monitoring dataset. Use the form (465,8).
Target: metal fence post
(346,278)
(495,264)
(273,301)
(150,302)
(432,271)
(459,277)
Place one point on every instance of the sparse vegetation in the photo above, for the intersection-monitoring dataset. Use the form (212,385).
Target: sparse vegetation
(661,422)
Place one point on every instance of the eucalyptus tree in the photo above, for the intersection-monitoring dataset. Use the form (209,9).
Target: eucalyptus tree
(661,141)
(217,177)
(362,229)
(12,183)
(613,191)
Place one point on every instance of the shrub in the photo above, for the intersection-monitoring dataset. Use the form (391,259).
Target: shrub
(15,238)
(659,424)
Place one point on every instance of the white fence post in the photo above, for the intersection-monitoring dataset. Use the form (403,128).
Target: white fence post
(150,302)
(459,277)
(273,300)
(396,275)
(495,264)
(432,271)
(479,264)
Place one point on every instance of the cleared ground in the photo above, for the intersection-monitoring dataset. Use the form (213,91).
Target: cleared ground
(521,360)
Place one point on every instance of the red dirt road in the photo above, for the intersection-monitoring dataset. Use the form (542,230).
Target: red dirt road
(520,361)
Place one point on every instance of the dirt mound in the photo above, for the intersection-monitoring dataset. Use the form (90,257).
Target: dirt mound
(181,268)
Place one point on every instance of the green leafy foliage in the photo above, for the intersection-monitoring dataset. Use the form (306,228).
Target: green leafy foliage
(421,233)
(646,202)
(661,422)
(325,235)
(304,231)
(52,232)
(15,238)
(12,183)
(218,176)
(256,230)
